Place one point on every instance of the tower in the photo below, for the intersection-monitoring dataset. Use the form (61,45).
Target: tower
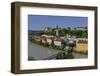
(57,31)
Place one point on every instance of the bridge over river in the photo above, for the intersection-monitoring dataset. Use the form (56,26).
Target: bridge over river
(37,52)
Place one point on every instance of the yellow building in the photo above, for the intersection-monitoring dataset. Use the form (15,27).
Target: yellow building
(82,46)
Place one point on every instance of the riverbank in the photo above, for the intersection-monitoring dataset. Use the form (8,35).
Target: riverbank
(55,47)
(52,46)
(38,52)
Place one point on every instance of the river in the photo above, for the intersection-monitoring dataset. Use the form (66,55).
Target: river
(37,52)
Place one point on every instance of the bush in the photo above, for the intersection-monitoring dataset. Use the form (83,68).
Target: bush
(86,52)
(64,55)
(46,44)
(69,56)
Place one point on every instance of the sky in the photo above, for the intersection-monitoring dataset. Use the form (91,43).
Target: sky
(38,22)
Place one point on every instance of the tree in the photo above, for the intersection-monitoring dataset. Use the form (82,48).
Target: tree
(69,56)
(46,44)
(84,35)
(63,44)
(80,33)
(64,55)
(50,33)
(63,32)
(40,42)
(52,44)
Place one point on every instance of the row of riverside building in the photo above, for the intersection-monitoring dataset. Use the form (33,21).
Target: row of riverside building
(81,44)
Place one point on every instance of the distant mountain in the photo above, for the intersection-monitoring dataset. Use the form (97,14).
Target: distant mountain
(30,31)
(33,32)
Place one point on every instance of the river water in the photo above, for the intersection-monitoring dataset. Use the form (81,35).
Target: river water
(38,52)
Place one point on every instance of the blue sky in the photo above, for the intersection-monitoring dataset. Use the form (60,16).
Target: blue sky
(38,22)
